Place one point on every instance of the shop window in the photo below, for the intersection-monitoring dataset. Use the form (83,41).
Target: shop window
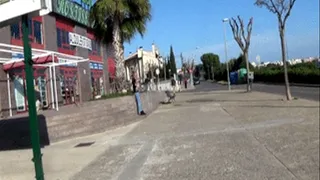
(35,32)
(63,41)
(96,50)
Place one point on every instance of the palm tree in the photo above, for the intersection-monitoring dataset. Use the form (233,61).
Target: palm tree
(117,21)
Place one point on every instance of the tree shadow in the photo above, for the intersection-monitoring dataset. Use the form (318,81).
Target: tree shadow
(15,133)
(234,100)
(275,106)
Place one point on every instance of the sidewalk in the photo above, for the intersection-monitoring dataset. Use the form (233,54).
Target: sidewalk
(60,160)
(209,135)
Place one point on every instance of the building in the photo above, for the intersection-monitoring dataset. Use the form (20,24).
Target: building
(143,61)
(70,65)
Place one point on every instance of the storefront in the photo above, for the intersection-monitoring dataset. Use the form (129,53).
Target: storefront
(19,81)
(68,81)
(97,87)
(60,41)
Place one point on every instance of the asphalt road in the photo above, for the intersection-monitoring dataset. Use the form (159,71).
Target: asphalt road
(310,93)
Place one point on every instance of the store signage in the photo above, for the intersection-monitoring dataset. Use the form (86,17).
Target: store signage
(97,66)
(77,10)
(61,60)
(80,41)
(17,55)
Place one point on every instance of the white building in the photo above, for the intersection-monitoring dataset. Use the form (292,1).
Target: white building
(142,61)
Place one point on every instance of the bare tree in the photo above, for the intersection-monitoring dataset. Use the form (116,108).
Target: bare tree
(282,8)
(242,37)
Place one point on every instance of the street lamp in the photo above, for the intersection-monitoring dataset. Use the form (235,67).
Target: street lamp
(224,21)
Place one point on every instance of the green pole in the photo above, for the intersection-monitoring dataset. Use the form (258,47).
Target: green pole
(33,121)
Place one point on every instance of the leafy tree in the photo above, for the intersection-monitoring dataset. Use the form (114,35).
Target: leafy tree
(168,67)
(117,21)
(197,70)
(240,62)
(243,39)
(211,64)
(172,62)
(282,9)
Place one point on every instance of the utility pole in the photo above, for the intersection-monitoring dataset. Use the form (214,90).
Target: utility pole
(225,50)
(33,120)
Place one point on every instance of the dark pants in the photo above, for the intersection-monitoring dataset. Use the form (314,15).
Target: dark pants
(134,88)
(186,84)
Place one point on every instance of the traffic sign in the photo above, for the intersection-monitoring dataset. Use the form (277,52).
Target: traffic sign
(12,10)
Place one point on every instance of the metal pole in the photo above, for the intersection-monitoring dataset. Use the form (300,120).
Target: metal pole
(55,86)
(51,88)
(9,94)
(164,69)
(33,120)
(226,55)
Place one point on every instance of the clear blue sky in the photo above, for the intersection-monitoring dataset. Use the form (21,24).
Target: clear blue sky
(187,24)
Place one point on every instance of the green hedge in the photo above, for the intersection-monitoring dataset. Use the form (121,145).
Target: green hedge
(307,73)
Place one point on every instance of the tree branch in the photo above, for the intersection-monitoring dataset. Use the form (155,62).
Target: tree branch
(236,33)
(276,10)
(291,4)
(242,30)
(249,30)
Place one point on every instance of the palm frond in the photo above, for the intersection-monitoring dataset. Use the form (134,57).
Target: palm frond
(132,15)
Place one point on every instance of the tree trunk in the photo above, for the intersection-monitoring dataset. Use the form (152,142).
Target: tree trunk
(246,57)
(119,58)
(284,60)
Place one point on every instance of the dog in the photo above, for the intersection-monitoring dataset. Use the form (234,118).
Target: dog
(171,96)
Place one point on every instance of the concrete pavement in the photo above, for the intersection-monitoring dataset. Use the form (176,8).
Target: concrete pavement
(217,136)
(207,135)
(310,93)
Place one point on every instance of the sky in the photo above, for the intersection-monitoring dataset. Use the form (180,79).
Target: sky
(194,27)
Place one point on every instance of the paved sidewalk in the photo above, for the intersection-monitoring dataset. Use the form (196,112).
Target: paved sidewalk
(60,160)
(208,135)
(217,135)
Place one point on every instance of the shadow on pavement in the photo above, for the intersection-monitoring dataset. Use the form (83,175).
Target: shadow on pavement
(219,100)
(15,133)
(276,106)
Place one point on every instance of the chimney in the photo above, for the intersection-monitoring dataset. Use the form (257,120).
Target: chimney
(153,49)
(140,52)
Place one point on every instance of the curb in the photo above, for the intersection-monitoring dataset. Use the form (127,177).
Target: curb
(276,84)
(293,84)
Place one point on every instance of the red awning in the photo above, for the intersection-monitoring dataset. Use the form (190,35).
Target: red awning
(39,60)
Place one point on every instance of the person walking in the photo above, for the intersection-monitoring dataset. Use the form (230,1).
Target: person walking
(137,94)
(185,83)
(173,84)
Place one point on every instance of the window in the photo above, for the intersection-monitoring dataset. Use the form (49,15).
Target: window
(15,31)
(35,32)
(63,39)
(96,51)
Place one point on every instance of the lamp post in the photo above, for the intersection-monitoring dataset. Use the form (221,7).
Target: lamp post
(224,21)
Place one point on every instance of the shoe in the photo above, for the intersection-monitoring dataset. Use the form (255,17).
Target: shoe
(142,113)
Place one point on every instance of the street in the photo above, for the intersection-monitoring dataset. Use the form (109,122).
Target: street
(310,93)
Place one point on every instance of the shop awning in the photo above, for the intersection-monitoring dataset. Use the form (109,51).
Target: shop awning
(36,60)
(13,57)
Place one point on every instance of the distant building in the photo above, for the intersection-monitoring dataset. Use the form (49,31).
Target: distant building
(141,61)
